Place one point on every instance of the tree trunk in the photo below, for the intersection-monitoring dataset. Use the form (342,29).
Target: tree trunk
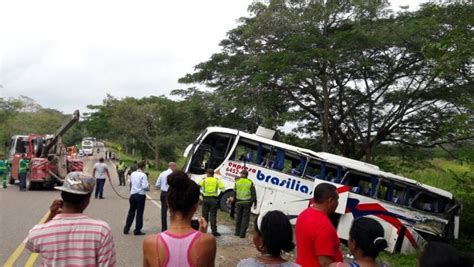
(325,141)
(157,156)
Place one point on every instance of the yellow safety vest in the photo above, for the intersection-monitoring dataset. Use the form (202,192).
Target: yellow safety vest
(243,188)
(210,185)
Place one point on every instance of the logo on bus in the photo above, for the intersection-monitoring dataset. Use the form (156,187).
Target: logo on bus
(289,183)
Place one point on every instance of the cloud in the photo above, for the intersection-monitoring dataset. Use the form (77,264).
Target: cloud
(67,55)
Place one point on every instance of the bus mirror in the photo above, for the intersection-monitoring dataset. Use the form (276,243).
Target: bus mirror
(187,150)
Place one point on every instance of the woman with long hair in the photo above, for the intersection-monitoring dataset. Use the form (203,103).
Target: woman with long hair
(181,245)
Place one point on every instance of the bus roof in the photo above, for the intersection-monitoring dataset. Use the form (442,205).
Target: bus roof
(334,159)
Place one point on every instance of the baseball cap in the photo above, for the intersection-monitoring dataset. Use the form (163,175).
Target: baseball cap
(77,183)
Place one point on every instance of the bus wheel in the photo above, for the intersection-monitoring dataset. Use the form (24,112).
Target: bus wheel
(223,203)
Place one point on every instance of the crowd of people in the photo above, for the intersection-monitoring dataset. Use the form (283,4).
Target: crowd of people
(68,237)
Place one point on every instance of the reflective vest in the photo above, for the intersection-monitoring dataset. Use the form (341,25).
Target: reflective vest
(210,185)
(243,189)
(23,166)
(121,166)
(3,167)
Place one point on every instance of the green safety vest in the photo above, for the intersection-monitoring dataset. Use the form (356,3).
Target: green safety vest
(23,166)
(243,188)
(3,167)
(210,186)
(121,166)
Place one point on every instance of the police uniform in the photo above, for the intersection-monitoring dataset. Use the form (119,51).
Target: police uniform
(121,172)
(22,171)
(210,186)
(245,196)
(4,172)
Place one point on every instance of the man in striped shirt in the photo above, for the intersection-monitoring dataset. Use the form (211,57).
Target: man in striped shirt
(69,237)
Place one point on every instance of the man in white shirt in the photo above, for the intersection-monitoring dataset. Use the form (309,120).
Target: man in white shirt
(139,186)
(100,173)
(162,184)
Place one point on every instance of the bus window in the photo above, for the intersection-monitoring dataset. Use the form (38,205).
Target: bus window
(313,170)
(429,203)
(394,192)
(359,184)
(211,153)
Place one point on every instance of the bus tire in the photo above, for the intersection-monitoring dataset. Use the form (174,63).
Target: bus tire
(223,200)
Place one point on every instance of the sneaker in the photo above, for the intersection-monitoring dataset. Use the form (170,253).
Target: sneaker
(236,234)
(125,232)
(139,233)
(242,236)
(216,234)
(101,197)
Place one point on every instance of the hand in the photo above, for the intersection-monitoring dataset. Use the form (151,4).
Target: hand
(55,208)
(202,225)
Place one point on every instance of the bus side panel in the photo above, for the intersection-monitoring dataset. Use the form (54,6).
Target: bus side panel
(343,191)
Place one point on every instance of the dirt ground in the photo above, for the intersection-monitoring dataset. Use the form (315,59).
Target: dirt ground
(231,249)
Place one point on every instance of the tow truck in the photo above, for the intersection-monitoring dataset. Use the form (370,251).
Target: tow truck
(48,156)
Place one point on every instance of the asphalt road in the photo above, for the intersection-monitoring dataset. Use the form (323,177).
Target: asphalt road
(20,211)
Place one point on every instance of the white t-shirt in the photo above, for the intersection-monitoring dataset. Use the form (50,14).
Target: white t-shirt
(100,170)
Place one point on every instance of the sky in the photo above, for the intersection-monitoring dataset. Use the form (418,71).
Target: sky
(69,54)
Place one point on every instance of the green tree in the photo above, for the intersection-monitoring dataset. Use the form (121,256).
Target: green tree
(353,73)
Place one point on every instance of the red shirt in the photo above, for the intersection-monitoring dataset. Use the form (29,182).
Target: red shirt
(315,236)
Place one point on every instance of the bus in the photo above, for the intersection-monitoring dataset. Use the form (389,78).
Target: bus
(88,145)
(411,213)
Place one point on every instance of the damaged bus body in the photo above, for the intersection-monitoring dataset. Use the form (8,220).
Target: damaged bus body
(285,176)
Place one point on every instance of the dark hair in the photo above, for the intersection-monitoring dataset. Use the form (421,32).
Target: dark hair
(101,160)
(368,235)
(210,171)
(141,165)
(323,192)
(74,199)
(183,192)
(276,232)
(244,172)
(438,254)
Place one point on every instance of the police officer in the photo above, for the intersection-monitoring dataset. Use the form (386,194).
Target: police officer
(4,172)
(121,172)
(22,171)
(245,196)
(210,186)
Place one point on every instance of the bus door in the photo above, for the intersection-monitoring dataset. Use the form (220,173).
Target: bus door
(266,201)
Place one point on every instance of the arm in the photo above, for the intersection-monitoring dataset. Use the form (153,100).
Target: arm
(207,248)
(93,172)
(158,182)
(145,184)
(149,251)
(107,172)
(254,195)
(106,252)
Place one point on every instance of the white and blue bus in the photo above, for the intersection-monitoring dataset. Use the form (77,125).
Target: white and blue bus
(285,176)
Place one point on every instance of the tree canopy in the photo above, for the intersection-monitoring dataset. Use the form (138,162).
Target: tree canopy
(351,73)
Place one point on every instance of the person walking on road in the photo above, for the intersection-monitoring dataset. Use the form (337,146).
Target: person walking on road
(100,173)
(317,243)
(121,167)
(181,245)
(22,171)
(69,237)
(162,184)
(245,196)
(210,186)
(3,172)
(139,186)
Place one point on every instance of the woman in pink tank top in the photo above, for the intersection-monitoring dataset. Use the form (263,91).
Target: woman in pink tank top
(181,245)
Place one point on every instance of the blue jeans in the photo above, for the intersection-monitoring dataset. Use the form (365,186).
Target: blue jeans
(22,178)
(99,188)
